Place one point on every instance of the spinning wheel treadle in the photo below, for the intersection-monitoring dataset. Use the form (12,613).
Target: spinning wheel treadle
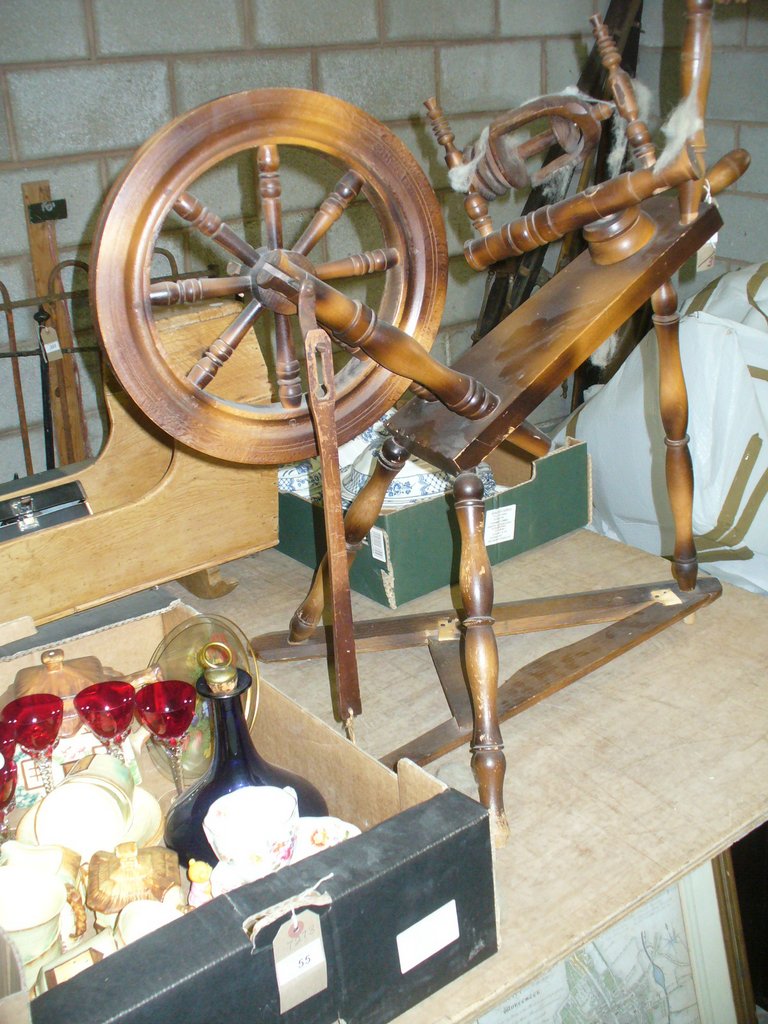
(373,165)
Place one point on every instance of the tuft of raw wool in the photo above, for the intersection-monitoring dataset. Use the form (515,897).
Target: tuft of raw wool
(682,123)
(574,90)
(602,356)
(615,158)
(460,178)
(555,185)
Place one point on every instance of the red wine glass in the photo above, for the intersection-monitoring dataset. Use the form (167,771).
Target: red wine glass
(167,708)
(107,709)
(8,777)
(37,718)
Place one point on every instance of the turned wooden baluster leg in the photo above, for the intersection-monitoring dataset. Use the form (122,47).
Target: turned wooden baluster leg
(673,399)
(480,651)
(360,517)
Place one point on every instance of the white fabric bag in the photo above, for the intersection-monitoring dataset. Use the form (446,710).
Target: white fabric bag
(724,350)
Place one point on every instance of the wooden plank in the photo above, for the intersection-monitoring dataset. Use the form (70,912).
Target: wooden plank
(66,401)
(514,617)
(446,657)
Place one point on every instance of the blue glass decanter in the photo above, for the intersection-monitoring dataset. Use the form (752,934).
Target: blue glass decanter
(235,762)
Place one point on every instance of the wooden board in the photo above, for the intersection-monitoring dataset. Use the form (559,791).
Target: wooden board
(160,510)
(66,401)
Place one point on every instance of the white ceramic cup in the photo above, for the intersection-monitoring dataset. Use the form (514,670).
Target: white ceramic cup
(254,829)
(82,816)
(31,902)
(109,773)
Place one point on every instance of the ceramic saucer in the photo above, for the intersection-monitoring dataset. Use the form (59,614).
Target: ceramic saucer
(318,834)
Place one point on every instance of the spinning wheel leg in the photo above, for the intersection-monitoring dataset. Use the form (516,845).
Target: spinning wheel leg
(481,651)
(673,400)
(360,517)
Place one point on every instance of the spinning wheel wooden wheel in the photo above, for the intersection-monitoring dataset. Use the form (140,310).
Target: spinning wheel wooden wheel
(159,185)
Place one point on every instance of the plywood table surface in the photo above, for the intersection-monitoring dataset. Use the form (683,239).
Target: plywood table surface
(616,787)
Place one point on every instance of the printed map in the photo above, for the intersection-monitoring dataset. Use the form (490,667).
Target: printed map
(638,972)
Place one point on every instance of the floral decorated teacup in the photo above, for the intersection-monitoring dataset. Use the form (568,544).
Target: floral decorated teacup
(254,829)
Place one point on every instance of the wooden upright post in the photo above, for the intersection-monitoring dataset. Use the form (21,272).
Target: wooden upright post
(66,401)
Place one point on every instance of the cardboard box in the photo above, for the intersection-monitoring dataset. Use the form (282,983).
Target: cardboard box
(412,551)
(411,900)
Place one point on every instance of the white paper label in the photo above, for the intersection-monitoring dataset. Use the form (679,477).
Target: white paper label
(705,257)
(427,937)
(300,965)
(378,544)
(51,344)
(500,525)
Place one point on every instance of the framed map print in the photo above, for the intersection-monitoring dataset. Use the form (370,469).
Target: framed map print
(678,959)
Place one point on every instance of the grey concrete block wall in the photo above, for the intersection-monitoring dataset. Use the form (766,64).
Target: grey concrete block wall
(67,111)
(84,82)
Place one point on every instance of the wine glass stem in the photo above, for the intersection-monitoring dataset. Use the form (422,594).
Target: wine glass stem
(174,756)
(46,772)
(115,748)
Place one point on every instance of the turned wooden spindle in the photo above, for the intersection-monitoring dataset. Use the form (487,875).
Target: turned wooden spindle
(356,326)
(475,205)
(270,194)
(287,374)
(476,208)
(443,132)
(224,347)
(210,224)
(620,83)
(695,74)
(360,517)
(197,289)
(673,401)
(480,650)
(359,264)
(347,189)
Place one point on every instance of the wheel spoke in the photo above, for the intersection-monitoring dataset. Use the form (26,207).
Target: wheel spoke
(196,289)
(210,224)
(286,364)
(347,189)
(219,351)
(359,264)
(270,191)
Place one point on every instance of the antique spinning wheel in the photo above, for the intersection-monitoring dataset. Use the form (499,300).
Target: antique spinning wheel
(158,186)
